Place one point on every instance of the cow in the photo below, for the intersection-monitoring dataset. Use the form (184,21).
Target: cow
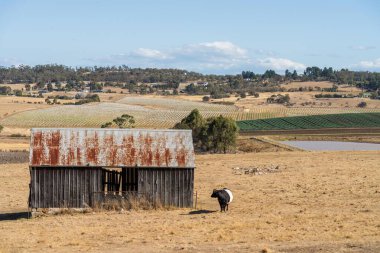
(224,196)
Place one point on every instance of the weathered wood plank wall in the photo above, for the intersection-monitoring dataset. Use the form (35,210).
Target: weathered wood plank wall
(56,187)
(172,187)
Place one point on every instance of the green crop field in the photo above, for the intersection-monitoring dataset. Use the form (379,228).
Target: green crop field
(345,120)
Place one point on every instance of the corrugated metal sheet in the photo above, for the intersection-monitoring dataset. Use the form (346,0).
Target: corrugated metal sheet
(111,147)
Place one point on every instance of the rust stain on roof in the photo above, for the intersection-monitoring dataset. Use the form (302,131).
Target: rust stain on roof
(111,148)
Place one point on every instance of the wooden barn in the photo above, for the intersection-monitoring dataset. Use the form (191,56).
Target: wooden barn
(74,168)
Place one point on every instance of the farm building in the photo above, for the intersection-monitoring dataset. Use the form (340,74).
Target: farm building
(75,168)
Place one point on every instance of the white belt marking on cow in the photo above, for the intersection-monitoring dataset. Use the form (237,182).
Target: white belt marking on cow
(229,193)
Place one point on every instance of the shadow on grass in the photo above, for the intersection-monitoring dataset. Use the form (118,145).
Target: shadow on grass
(201,212)
(14,216)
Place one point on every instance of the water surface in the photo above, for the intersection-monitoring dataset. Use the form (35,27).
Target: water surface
(332,145)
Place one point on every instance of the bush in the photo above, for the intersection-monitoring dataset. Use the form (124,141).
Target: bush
(362,104)
(18,93)
(206,98)
(279,99)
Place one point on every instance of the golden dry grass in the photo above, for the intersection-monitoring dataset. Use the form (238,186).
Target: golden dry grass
(299,99)
(366,138)
(12,144)
(296,85)
(15,86)
(320,201)
(10,105)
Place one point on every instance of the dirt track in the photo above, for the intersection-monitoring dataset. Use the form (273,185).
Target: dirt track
(318,202)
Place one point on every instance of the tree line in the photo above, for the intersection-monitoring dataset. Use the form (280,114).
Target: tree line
(219,85)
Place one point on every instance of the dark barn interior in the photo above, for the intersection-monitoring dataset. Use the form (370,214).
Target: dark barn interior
(76,168)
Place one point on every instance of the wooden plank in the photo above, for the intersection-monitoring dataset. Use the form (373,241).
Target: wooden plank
(162,186)
(185,189)
(180,187)
(191,188)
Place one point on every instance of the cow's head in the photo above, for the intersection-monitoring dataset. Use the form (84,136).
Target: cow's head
(214,193)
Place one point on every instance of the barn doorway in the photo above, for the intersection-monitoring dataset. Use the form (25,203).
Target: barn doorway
(120,180)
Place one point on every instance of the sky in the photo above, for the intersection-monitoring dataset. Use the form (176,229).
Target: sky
(207,36)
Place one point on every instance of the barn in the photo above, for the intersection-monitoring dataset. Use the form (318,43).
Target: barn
(77,167)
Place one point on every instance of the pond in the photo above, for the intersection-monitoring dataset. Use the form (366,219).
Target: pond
(332,145)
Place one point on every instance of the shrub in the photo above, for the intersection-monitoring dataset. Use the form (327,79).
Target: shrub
(279,99)
(362,104)
(206,98)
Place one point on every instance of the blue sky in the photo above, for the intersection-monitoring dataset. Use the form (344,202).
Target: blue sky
(214,36)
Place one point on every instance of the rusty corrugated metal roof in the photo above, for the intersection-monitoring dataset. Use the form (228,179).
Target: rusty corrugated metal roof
(111,147)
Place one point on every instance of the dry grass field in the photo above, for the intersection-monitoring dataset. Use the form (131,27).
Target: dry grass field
(366,138)
(14,144)
(15,86)
(306,100)
(10,105)
(317,202)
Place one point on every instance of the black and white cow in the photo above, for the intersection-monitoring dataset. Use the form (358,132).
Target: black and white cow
(224,196)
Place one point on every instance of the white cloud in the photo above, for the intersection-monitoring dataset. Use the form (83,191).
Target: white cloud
(9,62)
(211,55)
(149,53)
(214,56)
(362,48)
(370,64)
(280,64)
(206,57)
(221,48)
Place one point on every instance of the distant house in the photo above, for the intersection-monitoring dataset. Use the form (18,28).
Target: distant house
(202,83)
(366,95)
(43,91)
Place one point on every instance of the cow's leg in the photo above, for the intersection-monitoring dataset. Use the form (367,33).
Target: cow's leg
(227,207)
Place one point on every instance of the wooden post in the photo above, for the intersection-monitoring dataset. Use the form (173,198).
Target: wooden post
(196,199)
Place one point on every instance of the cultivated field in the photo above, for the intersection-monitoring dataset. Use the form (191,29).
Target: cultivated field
(345,120)
(317,202)
(153,112)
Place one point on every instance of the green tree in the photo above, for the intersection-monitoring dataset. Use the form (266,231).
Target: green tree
(193,121)
(5,90)
(49,87)
(288,74)
(125,121)
(295,74)
(18,93)
(219,134)
(106,125)
(206,99)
